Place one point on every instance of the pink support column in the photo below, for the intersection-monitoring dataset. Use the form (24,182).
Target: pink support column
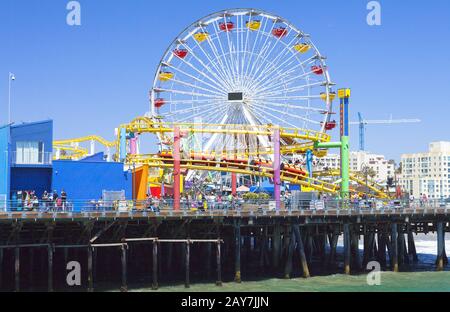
(133,145)
(233,184)
(276,167)
(176,168)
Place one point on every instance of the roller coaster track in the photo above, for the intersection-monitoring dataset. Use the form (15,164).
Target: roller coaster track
(148,125)
(308,139)
(77,152)
(154,161)
(376,188)
(85,139)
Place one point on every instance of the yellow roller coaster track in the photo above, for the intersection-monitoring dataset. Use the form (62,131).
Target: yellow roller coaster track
(85,139)
(154,161)
(148,125)
(77,152)
(371,185)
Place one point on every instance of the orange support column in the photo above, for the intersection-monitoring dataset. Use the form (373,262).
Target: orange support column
(176,168)
(140,183)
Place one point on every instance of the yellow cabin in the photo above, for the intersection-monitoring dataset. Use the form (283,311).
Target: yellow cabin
(302,47)
(253,25)
(165,76)
(323,96)
(201,36)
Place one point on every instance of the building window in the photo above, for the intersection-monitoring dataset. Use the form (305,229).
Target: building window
(29,153)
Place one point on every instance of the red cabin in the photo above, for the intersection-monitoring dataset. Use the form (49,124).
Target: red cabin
(318,70)
(279,32)
(330,125)
(228,26)
(181,53)
(159,103)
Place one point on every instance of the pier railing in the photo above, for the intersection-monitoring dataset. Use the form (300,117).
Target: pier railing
(210,206)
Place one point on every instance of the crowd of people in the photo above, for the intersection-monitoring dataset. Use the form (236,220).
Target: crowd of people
(29,201)
(205,201)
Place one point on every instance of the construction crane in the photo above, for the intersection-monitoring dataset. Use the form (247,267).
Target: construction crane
(363,123)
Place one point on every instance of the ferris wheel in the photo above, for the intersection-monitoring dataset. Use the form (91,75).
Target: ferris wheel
(243,67)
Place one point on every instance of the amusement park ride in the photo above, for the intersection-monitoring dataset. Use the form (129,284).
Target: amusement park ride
(240,91)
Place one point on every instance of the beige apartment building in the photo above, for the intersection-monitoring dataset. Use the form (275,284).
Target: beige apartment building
(427,173)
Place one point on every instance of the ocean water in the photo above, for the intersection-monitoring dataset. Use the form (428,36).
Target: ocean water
(421,278)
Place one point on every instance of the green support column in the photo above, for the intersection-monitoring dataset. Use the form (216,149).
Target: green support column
(344,95)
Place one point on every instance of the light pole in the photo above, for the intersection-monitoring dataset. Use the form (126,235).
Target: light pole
(11,78)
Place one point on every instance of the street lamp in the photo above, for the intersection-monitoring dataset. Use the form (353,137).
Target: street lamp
(11,78)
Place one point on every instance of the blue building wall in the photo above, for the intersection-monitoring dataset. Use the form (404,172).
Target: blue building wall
(41,131)
(86,180)
(37,176)
(31,179)
(4,163)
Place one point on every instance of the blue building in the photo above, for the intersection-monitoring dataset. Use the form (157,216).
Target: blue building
(89,178)
(26,164)
(26,158)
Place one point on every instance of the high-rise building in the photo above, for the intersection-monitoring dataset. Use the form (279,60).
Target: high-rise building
(427,173)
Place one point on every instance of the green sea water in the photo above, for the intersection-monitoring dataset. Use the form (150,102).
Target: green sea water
(390,282)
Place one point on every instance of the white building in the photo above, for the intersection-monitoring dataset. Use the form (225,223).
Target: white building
(359,160)
(427,173)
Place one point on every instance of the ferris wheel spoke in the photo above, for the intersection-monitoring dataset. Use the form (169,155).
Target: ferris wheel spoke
(290,113)
(282,121)
(223,81)
(187,110)
(217,87)
(218,82)
(232,59)
(189,101)
(279,58)
(189,93)
(216,54)
(265,47)
(308,108)
(287,98)
(202,112)
(255,52)
(286,81)
(218,70)
(228,64)
(260,71)
(198,87)
(263,93)
(268,79)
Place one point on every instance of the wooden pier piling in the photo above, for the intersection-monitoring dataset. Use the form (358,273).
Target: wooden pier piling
(50,268)
(290,253)
(124,287)
(301,249)
(219,265)
(412,246)
(155,265)
(394,247)
(440,246)
(90,269)
(187,263)
(237,252)
(17,269)
(347,251)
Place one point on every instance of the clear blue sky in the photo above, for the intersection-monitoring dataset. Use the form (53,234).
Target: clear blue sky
(91,78)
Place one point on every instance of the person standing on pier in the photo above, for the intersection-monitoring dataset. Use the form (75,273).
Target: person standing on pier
(63,199)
